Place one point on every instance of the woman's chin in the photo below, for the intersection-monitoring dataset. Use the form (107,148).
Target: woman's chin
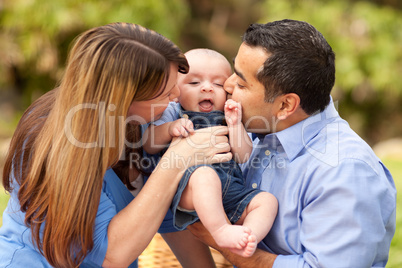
(156,118)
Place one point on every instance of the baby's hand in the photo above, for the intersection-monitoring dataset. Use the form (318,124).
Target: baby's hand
(233,112)
(181,127)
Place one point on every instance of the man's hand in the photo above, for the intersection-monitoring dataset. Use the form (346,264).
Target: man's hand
(199,231)
(259,259)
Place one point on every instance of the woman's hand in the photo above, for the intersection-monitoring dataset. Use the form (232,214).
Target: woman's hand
(206,146)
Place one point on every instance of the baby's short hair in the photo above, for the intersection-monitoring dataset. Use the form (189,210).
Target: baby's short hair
(206,51)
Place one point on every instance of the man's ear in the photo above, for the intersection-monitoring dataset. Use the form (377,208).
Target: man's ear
(288,104)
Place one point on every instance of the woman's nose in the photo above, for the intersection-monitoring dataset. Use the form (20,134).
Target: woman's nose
(229,84)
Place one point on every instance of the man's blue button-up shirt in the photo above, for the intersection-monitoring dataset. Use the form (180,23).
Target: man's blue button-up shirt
(336,199)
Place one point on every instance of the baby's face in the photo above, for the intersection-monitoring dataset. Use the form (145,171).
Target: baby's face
(201,90)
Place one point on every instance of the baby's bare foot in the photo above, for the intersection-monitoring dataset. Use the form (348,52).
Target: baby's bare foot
(232,236)
(249,249)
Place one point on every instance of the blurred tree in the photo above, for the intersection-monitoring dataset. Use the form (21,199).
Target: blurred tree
(365,34)
(35,34)
(367,40)
(219,24)
(391,3)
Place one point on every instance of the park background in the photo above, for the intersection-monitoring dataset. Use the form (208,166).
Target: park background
(366,35)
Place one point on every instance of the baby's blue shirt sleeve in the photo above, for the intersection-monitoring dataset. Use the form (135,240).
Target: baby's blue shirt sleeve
(170,114)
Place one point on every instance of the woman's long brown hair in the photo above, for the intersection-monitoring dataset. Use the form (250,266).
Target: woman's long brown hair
(66,140)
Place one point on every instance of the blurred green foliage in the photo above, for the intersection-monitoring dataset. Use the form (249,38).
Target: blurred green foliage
(367,40)
(366,36)
(395,256)
(35,34)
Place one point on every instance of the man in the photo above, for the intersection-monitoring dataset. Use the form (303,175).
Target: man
(336,199)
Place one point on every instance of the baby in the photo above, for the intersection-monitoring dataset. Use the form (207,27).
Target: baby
(212,192)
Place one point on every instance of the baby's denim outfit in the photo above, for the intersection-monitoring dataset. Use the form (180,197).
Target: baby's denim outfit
(235,195)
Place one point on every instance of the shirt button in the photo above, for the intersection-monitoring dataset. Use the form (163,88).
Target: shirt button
(185,116)
(267,152)
(254,185)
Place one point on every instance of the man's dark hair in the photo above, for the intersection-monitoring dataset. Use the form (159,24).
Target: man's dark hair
(300,61)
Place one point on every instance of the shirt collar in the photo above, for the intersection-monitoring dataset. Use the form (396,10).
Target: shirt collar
(295,138)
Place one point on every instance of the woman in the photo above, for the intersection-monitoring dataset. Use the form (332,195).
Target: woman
(66,208)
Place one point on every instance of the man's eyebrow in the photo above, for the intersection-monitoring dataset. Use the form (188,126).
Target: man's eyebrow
(239,74)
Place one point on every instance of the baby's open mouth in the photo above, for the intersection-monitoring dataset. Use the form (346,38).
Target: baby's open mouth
(206,106)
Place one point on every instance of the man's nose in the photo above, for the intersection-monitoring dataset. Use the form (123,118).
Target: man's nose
(229,84)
